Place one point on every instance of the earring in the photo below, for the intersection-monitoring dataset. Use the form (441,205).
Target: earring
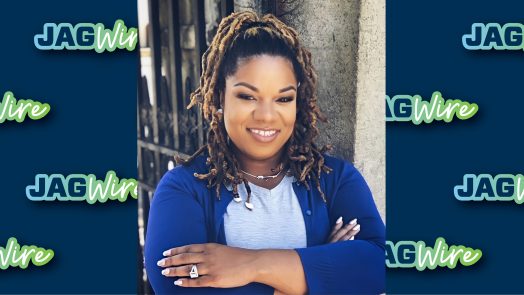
(219,114)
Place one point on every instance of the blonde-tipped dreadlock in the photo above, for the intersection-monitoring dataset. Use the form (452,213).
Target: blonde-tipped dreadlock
(243,35)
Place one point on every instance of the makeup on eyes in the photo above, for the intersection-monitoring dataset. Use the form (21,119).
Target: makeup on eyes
(244,96)
(284,99)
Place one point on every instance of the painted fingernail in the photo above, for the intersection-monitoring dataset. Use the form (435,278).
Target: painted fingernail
(357,227)
(339,220)
(161,262)
(165,271)
(353,221)
(178,282)
(166,253)
(352,238)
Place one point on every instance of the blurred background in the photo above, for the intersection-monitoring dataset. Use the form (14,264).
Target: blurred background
(346,39)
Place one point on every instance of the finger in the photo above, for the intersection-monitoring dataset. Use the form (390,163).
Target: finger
(193,248)
(181,259)
(184,270)
(344,230)
(203,281)
(338,225)
(352,233)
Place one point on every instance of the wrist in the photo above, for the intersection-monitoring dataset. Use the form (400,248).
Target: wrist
(259,266)
(280,269)
(264,263)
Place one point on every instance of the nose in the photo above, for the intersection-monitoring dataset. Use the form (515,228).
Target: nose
(264,112)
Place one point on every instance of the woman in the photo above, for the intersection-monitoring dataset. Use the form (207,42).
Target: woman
(260,208)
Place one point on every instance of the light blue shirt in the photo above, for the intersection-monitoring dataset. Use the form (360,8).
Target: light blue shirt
(276,221)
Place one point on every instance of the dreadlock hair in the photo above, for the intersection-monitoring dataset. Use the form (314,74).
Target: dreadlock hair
(241,36)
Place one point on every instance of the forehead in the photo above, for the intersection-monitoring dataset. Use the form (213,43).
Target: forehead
(264,69)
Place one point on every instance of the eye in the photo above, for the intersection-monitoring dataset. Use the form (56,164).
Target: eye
(245,96)
(286,99)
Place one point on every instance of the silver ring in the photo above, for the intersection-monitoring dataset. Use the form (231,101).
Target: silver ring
(194,272)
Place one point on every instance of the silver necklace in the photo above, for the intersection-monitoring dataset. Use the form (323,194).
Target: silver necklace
(249,205)
(262,177)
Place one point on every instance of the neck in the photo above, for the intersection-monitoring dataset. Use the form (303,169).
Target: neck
(260,167)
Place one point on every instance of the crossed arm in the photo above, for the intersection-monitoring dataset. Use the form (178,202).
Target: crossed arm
(221,266)
(340,266)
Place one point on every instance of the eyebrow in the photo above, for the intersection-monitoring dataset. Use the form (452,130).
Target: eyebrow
(290,87)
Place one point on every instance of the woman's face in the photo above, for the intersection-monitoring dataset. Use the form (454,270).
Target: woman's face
(260,106)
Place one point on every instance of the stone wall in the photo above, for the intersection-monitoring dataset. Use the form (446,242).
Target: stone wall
(347,41)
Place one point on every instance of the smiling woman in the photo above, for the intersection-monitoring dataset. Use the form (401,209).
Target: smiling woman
(260,110)
(260,208)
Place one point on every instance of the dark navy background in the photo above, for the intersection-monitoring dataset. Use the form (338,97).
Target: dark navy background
(91,129)
(425,162)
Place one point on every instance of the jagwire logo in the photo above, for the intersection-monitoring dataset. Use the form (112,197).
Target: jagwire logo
(86,36)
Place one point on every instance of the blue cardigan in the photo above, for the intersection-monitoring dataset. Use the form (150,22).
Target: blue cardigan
(184,211)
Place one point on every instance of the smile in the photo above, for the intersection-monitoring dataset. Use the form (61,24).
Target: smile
(262,135)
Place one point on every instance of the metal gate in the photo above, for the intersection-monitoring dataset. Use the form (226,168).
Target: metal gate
(176,36)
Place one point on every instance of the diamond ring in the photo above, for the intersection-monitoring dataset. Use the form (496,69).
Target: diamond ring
(194,272)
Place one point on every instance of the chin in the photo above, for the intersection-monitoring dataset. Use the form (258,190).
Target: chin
(262,156)
(259,153)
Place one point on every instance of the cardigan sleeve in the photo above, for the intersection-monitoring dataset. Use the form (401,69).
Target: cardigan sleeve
(356,266)
(176,218)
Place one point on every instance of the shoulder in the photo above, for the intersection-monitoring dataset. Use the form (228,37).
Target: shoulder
(344,179)
(181,178)
(341,168)
(185,172)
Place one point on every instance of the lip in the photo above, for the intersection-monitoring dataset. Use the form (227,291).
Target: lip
(257,134)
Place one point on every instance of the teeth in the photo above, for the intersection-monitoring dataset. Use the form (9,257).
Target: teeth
(263,132)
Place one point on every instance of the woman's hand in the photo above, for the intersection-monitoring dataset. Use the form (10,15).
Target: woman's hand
(344,233)
(218,266)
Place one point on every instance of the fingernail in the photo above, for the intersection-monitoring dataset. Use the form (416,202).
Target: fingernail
(353,221)
(357,227)
(352,238)
(178,282)
(339,220)
(165,271)
(166,253)
(161,262)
